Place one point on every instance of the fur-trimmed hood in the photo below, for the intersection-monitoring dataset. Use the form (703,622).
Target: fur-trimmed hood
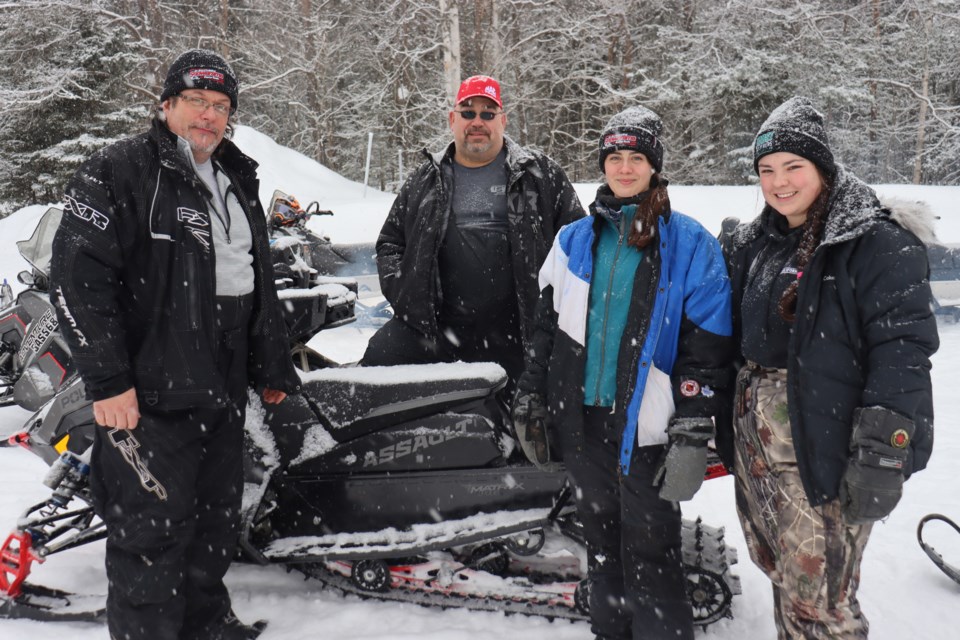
(915,216)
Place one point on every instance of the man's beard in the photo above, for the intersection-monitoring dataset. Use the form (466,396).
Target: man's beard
(203,148)
(478,148)
(208,148)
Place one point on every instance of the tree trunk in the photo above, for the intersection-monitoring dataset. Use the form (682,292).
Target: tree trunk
(450,18)
(924,97)
(224,29)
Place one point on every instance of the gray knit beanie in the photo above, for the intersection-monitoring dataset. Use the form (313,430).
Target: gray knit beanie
(795,127)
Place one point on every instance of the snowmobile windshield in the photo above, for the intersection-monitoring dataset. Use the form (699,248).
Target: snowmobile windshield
(38,249)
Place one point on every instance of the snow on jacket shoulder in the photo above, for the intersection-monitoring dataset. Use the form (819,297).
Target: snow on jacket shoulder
(679,324)
(133,276)
(540,200)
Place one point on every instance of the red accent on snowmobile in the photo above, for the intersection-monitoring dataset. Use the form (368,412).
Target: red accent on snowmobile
(715,470)
(20,439)
(23,325)
(16,558)
(456,579)
(56,363)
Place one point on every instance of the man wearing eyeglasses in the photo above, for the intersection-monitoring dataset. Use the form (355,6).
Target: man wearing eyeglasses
(164,288)
(459,253)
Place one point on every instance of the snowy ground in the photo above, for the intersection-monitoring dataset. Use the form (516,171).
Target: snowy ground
(903,594)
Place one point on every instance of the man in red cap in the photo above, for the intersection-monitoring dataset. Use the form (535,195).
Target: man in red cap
(459,253)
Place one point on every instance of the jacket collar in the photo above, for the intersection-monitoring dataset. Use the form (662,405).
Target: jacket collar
(517,157)
(227,154)
(618,211)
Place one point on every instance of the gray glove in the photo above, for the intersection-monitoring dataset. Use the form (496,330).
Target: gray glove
(873,482)
(684,463)
(530,423)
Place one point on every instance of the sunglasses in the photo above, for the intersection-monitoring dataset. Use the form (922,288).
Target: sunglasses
(470,114)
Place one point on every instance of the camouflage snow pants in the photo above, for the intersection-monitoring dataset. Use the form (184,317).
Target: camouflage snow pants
(810,555)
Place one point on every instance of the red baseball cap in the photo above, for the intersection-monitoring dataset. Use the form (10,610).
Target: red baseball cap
(480,86)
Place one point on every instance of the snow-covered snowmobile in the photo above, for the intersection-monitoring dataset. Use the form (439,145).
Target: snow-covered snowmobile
(391,482)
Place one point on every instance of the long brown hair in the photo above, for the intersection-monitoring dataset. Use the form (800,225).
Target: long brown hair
(812,235)
(644,226)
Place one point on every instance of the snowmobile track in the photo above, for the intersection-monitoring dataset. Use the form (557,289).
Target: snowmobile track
(442,601)
(707,562)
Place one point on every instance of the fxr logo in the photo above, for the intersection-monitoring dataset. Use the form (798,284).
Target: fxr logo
(196,223)
(87,214)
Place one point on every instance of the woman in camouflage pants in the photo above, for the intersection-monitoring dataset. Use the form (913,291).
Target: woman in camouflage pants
(834,403)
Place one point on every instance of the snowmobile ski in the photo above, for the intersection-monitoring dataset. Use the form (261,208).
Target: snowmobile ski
(418,539)
(44,604)
(952,572)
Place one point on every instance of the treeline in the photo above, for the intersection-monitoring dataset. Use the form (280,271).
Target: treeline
(319,75)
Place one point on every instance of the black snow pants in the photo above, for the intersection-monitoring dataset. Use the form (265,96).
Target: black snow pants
(170,494)
(637,586)
(398,343)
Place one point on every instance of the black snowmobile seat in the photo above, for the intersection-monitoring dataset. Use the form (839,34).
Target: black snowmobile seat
(360,400)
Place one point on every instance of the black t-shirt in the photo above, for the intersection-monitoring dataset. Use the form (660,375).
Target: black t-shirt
(766,335)
(476,276)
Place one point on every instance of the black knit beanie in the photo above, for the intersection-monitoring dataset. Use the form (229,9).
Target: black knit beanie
(201,69)
(795,127)
(634,129)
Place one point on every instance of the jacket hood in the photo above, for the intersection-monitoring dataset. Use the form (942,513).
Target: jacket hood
(915,216)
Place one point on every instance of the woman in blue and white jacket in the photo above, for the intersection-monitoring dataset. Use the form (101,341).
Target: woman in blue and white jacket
(625,374)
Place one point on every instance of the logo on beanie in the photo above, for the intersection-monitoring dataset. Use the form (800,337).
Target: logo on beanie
(209,75)
(764,142)
(620,140)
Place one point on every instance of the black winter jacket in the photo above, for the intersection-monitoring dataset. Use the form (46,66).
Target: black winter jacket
(540,200)
(863,334)
(133,276)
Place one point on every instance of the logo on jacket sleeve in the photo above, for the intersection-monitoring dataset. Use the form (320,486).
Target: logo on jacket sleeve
(689,388)
(86,213)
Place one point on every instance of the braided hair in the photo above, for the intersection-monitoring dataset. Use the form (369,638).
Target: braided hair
(644,227)
(809,241)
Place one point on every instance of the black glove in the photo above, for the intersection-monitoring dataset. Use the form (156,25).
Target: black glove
(530,423)
(684,462)
(873,482)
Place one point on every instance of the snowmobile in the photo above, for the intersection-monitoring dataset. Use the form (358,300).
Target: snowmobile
(399,483)
(34,359)
(304,248)
(950,570)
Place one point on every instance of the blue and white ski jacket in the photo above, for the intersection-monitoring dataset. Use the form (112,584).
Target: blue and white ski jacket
(677,340)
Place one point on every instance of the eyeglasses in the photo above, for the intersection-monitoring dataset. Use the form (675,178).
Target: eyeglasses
(202,105)
(470,114)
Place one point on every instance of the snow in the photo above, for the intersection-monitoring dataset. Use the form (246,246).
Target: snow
(410,374)
(903,594)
